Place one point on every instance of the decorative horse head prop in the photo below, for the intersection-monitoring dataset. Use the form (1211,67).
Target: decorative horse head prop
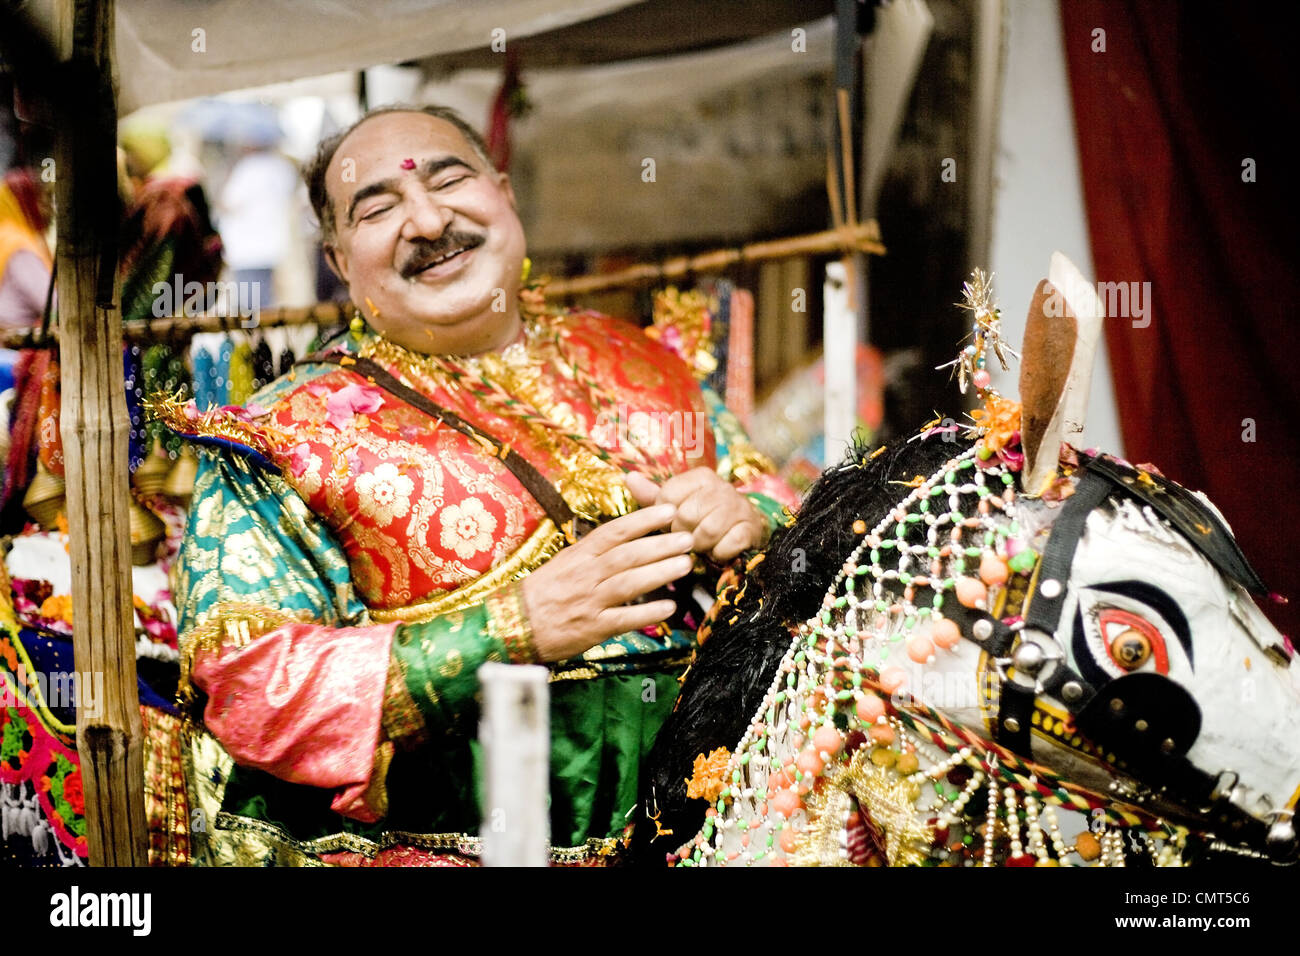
(991,649)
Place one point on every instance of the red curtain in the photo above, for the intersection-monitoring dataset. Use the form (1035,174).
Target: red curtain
(1176,105)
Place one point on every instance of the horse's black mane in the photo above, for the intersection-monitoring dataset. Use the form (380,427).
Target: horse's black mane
(736,666)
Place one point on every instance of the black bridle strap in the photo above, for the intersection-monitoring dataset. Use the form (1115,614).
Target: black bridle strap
(1046,603)
(1047,600)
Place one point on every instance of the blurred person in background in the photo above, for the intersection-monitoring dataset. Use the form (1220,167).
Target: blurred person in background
(25,261)
(253,214)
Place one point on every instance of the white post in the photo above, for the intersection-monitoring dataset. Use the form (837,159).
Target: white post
(516,736)
(839,350)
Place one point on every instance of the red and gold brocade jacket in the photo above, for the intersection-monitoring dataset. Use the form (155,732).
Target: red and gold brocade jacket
(350,562)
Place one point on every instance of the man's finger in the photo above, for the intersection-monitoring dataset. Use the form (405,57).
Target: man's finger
(692,510)
(628,527)
(633,617)
(734,542)
(644,491)
(643,551)
(713,527)
(636,582)
(680,487)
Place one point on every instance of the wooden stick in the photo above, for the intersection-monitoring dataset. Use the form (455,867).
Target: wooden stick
(320,313)
(94,427)
(516,737)
(846,158)
(150,330)
(833,192)
(864,237)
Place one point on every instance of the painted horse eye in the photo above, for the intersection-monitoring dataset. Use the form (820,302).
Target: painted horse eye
(1130,650)
(1131,641)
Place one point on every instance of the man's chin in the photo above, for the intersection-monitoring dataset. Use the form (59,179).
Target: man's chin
(452,334)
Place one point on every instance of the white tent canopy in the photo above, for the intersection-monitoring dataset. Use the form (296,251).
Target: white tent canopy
(170,51)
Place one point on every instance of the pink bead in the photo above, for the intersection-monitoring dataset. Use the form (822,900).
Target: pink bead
(870,709)
(787,839)
(993,570)
(786,802)
(892,678)
(920,648)
(810,762)
(828,740)
(971,592)
(981,378)
(946,633)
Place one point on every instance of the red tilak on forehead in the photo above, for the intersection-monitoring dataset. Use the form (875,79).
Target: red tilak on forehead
(408,164)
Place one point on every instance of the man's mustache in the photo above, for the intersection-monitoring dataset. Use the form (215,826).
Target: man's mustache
(429,251)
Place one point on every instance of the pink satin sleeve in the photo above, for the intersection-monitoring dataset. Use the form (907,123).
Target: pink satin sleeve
(303,702)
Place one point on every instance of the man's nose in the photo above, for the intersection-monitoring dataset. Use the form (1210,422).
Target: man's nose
(426,217)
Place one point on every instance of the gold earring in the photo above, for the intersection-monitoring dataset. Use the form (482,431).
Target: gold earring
(358,325)
(527,269)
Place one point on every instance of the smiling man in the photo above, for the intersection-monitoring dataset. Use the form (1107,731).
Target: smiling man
(443,487)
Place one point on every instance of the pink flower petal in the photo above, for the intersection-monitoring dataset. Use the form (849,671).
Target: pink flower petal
(350,401)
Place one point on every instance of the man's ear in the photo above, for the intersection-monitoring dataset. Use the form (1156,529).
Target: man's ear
(503,180)
(337,261)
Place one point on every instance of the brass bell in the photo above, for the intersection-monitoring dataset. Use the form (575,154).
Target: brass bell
(147,529)
(180,480)
(151,475)
(46,498)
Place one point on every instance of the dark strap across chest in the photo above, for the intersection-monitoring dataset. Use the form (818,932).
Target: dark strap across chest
(556,508)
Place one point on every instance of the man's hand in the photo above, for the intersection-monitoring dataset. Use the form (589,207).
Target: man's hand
(721,520)
(580,597)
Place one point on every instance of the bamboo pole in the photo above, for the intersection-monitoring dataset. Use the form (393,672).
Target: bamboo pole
(319,313)
(865,237)
(151,330)
(94,428)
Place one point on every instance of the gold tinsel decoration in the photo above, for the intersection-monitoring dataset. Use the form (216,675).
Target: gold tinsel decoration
(683,321)
(887,797)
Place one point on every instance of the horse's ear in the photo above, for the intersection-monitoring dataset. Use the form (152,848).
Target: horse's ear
(1061,336)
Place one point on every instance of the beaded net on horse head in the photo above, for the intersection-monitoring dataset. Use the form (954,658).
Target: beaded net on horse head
(844,763)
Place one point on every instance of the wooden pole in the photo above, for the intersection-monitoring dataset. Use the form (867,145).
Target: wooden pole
(860,238)
(516,738)
(865,237)
(94,428)
(151,330)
